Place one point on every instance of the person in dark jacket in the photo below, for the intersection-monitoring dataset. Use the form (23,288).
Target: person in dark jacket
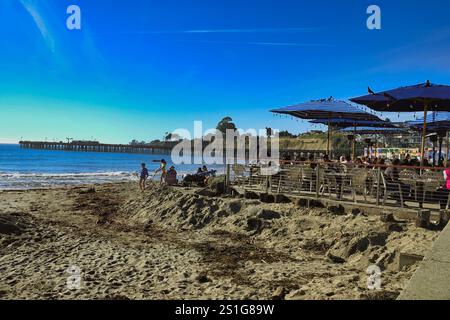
(143,177)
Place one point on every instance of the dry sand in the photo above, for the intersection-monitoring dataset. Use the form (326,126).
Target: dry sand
(181,243)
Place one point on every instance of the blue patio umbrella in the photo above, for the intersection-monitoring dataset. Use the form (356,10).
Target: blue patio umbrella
(326,109)
(373,130)
(436,121)
(346,123)
(421,97)
(352,125)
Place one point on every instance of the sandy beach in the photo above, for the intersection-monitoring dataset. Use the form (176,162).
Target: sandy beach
(183,243)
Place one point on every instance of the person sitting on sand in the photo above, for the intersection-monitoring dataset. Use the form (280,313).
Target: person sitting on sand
(143,177)
(172,171)
(171,177)
(205,170)
(163,170)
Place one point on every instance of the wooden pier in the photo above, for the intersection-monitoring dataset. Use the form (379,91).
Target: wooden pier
(163,148)
(92,146)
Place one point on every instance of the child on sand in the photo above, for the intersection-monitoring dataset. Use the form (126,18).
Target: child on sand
(143,177)
(163,169)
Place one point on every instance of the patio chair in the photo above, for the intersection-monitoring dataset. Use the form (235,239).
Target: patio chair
(409,178)
(290,180)
(342,167)
(256,181)
(433,181)
(239,174)
(391,189)
(372,181)
(357,183)
(328,182)
(344,179)
(308,177)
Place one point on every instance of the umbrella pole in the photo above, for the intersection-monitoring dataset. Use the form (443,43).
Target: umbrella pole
(376,146)
(328,140)
(447,144)
(354,144)
(424,135)
(434,153)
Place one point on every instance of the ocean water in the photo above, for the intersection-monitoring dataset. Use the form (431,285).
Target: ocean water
(30,169)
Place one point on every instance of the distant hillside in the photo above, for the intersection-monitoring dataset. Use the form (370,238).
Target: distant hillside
(317,142)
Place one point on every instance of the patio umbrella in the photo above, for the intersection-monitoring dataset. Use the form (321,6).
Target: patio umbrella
(438,122)
(353,123)
(326,109)
(346,123)
(374,130)
(421,97)
(435,121)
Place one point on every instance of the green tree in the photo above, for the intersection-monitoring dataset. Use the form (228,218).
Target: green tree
(226,124)
(286,134)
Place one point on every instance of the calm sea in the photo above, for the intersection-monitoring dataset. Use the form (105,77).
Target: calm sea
(28,168)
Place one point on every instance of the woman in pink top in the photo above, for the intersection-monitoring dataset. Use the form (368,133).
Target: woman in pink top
(447,175)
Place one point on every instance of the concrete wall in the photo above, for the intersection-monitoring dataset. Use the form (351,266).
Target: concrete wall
(431,281)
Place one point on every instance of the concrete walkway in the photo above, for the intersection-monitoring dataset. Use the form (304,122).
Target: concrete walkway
(431,281)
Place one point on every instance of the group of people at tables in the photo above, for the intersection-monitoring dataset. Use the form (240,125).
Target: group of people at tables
(391,169)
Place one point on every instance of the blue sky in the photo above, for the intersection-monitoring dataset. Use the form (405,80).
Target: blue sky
(139,68)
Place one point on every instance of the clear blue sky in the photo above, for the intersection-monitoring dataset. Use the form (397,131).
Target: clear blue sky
(139,68)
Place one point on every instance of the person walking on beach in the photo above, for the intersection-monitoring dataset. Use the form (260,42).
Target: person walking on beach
(163,170)
(143,177)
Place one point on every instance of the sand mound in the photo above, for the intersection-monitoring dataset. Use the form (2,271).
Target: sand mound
(344,238)
(181,243)
(177,208)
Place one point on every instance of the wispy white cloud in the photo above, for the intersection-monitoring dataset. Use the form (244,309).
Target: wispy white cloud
(65,49)
(263,30)
(212,31)
(231,31)
(260,43)
(31,8)
(291,44)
